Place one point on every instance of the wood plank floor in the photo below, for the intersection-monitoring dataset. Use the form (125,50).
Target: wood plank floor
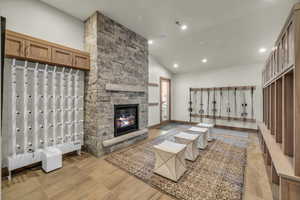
(88,178)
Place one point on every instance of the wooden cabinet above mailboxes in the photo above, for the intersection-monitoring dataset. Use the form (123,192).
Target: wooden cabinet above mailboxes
(26,47)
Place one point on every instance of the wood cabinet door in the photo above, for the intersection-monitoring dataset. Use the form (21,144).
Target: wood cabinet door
(38,51)
(81,61)
(284,51)
(62,57)
(291,48)
(15,46)
(280,56)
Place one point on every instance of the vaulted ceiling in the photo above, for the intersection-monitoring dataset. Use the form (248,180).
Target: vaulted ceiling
(225,32)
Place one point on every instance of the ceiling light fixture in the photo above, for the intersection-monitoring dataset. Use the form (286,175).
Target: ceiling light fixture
(204,60)
(175,65)
(262,50)
(183,27)
(150,41)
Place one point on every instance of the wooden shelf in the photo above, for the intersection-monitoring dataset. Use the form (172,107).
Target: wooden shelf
(153,84)
(153,104)
(124,88)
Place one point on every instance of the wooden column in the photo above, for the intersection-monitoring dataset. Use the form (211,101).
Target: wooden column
(278,117)
(264,106)
(269,107)
(273,109)
(288,114)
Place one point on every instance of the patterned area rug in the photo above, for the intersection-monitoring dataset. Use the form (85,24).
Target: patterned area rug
(217,174)
(169,126)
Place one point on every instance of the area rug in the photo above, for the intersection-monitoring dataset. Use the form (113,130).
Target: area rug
(169,126)
(217,174)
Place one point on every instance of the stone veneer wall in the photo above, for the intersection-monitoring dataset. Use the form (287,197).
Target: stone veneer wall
(118,56)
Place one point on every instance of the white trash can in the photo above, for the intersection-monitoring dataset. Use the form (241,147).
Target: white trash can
(51,159)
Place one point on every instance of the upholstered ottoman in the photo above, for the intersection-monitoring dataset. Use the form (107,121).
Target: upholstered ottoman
(191,141)
(209,126)
(202,141)
(170,160)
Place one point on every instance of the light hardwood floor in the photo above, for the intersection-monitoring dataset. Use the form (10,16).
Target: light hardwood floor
(88,178)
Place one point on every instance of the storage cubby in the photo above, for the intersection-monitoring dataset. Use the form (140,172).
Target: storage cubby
(280,131)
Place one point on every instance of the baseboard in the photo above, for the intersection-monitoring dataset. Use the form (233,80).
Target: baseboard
(249,130)
(220,126)
(159,124)
(184,122)
(154,126)
(4,170)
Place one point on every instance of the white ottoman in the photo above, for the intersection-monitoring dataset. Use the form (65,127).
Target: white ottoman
(202,141)
(170,160)
(209,126)
(191,141)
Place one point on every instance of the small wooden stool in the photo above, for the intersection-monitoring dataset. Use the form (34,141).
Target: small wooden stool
(209,126)
(170,160)
(202,141)
(191,141)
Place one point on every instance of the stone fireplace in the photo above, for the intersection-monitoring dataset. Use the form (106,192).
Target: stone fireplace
(118,77)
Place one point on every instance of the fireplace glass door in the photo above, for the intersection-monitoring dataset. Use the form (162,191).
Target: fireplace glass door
(126,119)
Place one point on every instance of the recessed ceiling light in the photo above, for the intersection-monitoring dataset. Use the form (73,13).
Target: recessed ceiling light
(183,27)
(175,65)
(204,60)
(262,50)
(150,41)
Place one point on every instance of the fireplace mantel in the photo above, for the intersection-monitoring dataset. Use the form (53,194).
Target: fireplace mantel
(124,88)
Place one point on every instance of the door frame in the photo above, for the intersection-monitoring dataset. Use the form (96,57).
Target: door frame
(161,79)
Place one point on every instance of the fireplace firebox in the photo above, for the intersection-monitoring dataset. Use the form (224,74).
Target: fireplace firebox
(126,119)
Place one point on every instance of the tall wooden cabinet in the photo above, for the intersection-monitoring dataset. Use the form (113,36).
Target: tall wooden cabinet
(26,47)
(280,130)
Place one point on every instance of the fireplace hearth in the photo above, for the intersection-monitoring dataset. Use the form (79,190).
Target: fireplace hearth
(125,119)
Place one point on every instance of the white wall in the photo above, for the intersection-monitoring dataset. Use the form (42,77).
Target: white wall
(233,76)
(37,19)
(156,71)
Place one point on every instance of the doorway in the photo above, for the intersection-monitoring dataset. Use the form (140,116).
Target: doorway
(165,99)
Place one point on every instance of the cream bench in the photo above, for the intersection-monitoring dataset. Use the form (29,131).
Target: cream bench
(209,126)
(202,141)
(170,160)
(191,141)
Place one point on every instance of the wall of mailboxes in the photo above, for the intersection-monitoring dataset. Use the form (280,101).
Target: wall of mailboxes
(43,101)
